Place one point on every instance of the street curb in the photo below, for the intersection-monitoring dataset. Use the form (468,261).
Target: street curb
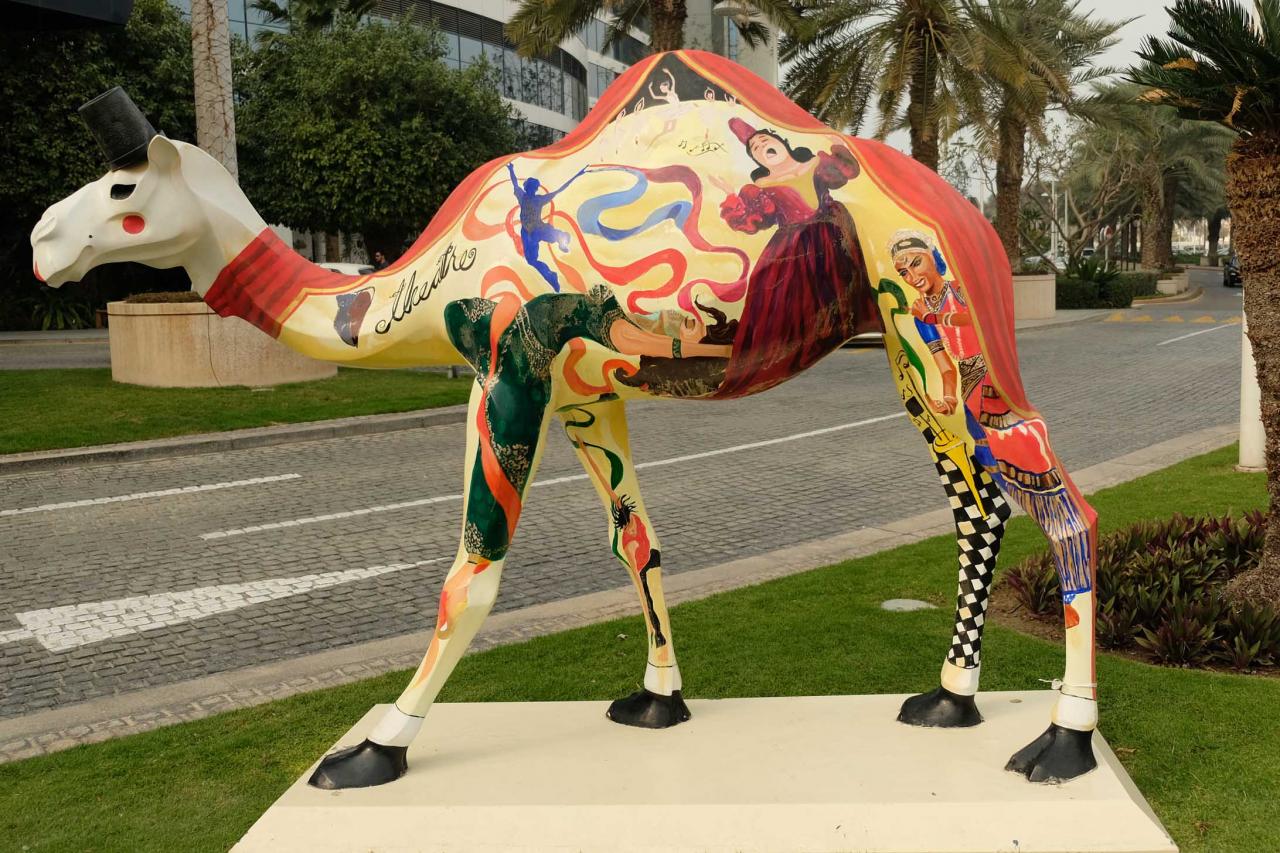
(1095,317)
(239,439)
(1190,296)
(154,707)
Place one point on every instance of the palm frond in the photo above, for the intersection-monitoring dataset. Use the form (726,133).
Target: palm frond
(1217,64)
(538,26)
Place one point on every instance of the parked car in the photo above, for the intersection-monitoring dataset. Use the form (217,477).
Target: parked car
(348,269)
(1231,272)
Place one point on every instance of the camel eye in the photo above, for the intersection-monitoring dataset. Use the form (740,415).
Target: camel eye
(122,191)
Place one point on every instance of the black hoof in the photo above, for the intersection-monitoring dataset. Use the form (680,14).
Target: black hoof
(360,766)
(649,710)
(940,709)
(1057,755)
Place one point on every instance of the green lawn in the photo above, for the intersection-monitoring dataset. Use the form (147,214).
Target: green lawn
(1203,747)
(48,409)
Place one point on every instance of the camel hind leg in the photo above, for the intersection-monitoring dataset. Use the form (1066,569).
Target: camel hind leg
(1027,470)
(599,436)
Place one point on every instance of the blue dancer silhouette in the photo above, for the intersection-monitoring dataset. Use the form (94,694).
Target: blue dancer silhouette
(534,231)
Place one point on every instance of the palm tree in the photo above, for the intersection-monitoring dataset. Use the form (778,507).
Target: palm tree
(1177,163)
(538,26)
(211,63)
(1220,64)
(1033,54)
(311,14)
(850,53)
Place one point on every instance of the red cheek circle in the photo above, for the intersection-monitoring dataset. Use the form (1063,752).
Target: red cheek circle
(134,223)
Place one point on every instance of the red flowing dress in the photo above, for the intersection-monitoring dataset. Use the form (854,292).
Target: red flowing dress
(808,292)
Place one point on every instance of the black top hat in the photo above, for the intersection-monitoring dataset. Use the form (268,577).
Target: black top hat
(119,126)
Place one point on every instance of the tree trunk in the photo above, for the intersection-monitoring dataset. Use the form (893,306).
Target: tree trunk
(211,62)
(1253,194)
(1168,201)
(924,127)
(1215,234)
(1156,213)
(1010,161)
(668,25)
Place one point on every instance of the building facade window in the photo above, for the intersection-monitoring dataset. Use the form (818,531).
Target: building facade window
(243,20)
(626,49)
(531,135)
(557,82)
(598,79)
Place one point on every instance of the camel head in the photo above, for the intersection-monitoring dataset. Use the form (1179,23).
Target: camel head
(157,205)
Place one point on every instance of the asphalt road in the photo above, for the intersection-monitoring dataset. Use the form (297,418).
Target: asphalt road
(121,576)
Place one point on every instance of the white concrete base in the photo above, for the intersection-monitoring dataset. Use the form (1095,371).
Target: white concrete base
(781,774)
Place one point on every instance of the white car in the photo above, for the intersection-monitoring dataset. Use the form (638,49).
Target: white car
(348,269)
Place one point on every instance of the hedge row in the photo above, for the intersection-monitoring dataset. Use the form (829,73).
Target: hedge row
(1117,293)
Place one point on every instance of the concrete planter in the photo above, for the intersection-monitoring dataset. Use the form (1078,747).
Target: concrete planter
(1203,275)
(1035,296)
(1173,285)
(186,345)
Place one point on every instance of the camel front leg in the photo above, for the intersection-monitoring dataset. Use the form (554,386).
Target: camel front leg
(504,443)
(599,436)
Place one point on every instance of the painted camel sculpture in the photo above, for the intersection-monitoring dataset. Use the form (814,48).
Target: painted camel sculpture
(708,243)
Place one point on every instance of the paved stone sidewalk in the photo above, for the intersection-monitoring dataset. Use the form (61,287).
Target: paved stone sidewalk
(102,719)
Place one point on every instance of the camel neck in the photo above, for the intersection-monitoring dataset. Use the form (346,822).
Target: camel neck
(265,281)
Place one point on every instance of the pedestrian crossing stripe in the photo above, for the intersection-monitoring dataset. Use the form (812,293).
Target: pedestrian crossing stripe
(1205,319)
(1117,317)
(1145,318)
(1174,318)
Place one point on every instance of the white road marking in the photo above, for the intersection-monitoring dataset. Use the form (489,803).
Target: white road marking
(1201,332)
(60,629)
(352,513)
(160,493)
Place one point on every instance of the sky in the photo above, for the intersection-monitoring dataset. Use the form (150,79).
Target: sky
(1150,18)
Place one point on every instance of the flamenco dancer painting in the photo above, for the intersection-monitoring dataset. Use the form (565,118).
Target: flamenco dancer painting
(808,291)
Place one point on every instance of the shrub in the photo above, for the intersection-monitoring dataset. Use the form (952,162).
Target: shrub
(164,296)
(1142,283)
(1160,586)
(1091,269)
(1077,293)
(1094,283)
(1115,294)
(1074,293)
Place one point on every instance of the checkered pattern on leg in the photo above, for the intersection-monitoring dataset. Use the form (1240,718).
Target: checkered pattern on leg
(978,542)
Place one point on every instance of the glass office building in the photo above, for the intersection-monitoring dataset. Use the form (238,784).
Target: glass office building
(551,93)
